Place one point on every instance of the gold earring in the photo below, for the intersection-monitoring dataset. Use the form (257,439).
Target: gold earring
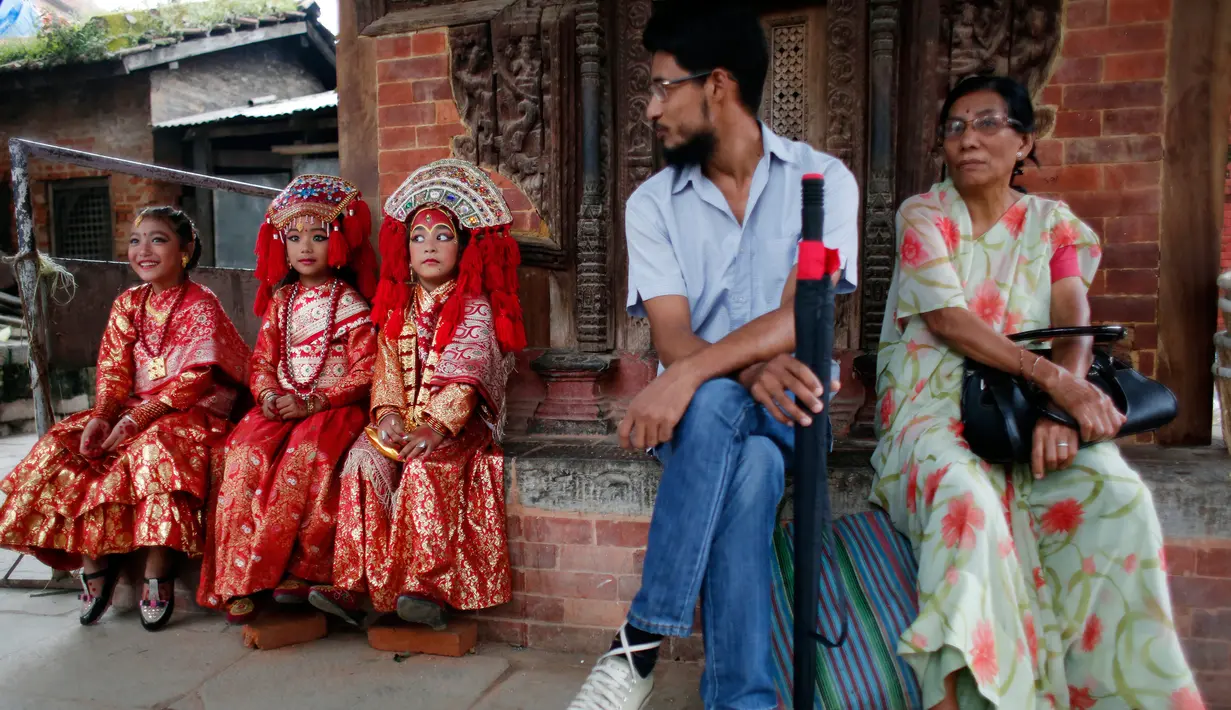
(184,261)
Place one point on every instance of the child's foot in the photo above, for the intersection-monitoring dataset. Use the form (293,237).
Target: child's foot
(338,602)
(292,591)
(417,610)
(241,610)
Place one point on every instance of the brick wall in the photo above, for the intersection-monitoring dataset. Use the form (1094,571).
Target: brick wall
(418,116)
(109,116)
(573,579)
(1104,154)
(1200,572)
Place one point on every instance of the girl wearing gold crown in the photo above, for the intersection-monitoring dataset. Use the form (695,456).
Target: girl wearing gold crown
(132,473)
(273,523)
(421,512)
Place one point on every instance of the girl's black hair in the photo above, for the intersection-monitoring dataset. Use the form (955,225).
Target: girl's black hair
(1016,100)
(181,224)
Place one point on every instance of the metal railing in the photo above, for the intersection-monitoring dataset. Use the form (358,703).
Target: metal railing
(26,260)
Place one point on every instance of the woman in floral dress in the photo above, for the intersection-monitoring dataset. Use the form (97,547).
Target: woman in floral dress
(1041,585)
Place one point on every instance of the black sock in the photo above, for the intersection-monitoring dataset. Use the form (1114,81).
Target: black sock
(643,661)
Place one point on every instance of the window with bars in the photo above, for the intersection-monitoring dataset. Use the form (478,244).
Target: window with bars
(81,222)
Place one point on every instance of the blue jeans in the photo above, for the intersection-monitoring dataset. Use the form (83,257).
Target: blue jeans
(712,533)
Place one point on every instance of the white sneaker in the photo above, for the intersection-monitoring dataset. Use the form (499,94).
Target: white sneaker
(614,683)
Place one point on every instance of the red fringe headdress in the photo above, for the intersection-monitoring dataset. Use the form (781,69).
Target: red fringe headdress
(488,264)
(334,202)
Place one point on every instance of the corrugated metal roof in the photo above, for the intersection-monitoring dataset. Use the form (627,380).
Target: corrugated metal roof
(311,102)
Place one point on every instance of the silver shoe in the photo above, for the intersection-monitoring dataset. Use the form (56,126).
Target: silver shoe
(155,611)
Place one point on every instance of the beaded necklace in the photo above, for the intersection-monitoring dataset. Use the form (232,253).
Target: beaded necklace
(304,387)
(157,368)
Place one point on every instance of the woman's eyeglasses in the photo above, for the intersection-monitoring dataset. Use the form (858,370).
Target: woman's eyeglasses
(658,89)
(988,125)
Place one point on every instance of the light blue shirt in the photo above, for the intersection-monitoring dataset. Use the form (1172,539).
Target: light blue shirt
(683,239)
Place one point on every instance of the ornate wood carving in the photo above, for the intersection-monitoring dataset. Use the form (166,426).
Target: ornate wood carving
(787,97)
(517,50)
(474,91)
(1018,38)
(387,17)
(845,120)
(880,195)
(593,304)
(634,137)
(512,81)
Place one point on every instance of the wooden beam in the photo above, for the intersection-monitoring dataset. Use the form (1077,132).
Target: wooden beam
(462,13)
(206,45)
(1194,161)
(305,149)
(327,48)
(917,96)
(358,149)
(26,79)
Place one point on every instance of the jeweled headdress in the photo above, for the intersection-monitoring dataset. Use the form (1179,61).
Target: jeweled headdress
(488,264)
(326,200)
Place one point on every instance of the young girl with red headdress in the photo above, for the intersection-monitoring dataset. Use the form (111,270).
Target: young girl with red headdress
(273,522)
(421,510)
(131,475)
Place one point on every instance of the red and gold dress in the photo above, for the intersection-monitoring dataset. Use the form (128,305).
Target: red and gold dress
(172,362)
(277,502)
(431,527)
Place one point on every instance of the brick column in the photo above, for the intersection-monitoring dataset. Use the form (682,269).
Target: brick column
(1104,154)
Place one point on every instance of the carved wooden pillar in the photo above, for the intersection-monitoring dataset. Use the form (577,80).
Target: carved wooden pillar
(593,288)
(846,119)
(632,141)
(880,193)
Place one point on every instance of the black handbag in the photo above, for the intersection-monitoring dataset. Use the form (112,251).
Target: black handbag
(999,410)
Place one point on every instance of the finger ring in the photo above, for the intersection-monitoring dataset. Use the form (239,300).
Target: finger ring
(1065,444)
(422,444)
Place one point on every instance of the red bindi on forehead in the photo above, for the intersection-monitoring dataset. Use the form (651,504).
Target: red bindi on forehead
(431,218)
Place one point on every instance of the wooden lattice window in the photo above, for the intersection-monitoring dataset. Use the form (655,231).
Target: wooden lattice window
(81,221)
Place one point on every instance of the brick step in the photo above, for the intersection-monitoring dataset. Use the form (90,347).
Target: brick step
(458,639)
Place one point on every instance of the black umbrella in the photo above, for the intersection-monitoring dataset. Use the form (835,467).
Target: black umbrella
(814,333)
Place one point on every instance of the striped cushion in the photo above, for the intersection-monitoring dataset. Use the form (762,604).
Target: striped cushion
(865,673)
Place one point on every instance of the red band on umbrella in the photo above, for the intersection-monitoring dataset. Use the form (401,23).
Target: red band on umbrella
(817,262)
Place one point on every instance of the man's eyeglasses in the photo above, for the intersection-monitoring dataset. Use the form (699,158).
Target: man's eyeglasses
(658,89)
(988,125)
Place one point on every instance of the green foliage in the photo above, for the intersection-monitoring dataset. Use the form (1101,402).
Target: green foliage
(62,42)
(59,42)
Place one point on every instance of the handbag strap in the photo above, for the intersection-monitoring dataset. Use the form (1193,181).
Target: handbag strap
(999,396)
(1100,333)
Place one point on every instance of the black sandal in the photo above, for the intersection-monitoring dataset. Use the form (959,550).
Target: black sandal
(95,606)
(155,611)
(417,610)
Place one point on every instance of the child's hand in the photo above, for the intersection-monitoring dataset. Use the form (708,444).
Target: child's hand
(291,407)
(269,407)
(392,431)
(96,432)
(421,443)
(124,430)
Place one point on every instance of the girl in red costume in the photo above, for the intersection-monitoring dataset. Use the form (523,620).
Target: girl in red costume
(276,510)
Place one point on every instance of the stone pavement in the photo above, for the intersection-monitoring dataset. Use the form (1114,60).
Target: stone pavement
(50,662)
